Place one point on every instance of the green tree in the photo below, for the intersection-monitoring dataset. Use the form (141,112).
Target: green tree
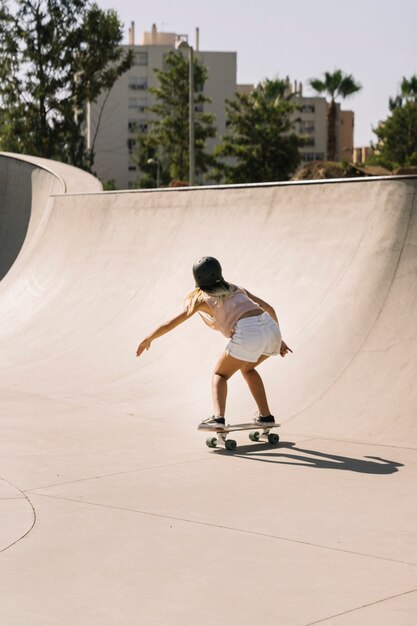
(168,134)
(55,56)
(397,135)
(152,161)
(260,144)
(408,93)
(336,85)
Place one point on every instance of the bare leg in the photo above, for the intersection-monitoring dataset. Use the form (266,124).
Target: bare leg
(256,385)
(219,393)
(225,367)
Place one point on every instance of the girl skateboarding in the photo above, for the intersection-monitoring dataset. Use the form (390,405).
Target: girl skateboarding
(250,324)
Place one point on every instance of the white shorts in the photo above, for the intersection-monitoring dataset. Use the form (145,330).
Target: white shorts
(253,337)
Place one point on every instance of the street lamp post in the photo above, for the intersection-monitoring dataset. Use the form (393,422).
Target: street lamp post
(191,116)
(158,174)
(184,45)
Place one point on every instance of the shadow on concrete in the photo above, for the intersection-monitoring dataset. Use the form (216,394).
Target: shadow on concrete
(312,458)
(15,209)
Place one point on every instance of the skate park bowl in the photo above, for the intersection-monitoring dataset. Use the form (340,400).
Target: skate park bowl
(113,510)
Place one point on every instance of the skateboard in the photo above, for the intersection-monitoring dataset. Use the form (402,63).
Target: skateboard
(258,432)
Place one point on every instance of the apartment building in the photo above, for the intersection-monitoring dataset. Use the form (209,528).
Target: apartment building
(362,154)
(312,126)
(310,120)
(115,118)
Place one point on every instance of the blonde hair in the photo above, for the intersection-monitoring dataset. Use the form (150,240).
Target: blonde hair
(197,296)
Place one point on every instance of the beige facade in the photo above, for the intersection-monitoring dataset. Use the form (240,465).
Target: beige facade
(347,127)
(362,154)
(244,89)
(312,125)
(115,118)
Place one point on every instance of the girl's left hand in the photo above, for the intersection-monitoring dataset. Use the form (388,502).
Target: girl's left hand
(144,345)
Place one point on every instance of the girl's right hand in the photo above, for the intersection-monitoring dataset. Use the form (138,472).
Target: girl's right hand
(144,345)
(284,349)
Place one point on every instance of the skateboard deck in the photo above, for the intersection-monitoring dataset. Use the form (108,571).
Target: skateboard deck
(258,432)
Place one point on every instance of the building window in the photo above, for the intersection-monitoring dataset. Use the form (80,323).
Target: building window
(138,105)
(132,168)
(312,156)
(307,127)
(140,58)
(308,140)
(308,108)
(131,143)
(138,83)
(135,125)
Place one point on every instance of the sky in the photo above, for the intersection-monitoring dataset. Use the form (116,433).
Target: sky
(374,40)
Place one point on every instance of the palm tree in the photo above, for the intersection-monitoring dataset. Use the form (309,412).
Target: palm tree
(408,93)
(334,85)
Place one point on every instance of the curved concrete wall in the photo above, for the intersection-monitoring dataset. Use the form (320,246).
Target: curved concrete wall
(24,193)
(26,184)
(329,256)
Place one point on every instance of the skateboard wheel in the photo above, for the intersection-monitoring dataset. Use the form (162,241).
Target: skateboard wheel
(254,435)
(273,438)
(211,442)
(230,444)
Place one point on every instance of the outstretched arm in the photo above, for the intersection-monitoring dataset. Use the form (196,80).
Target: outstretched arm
(163,329)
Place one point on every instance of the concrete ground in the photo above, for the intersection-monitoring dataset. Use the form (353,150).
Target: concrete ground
(113,512)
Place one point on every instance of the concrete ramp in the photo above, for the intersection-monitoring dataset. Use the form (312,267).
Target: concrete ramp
(26,184)
(115,497)
(24,194)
